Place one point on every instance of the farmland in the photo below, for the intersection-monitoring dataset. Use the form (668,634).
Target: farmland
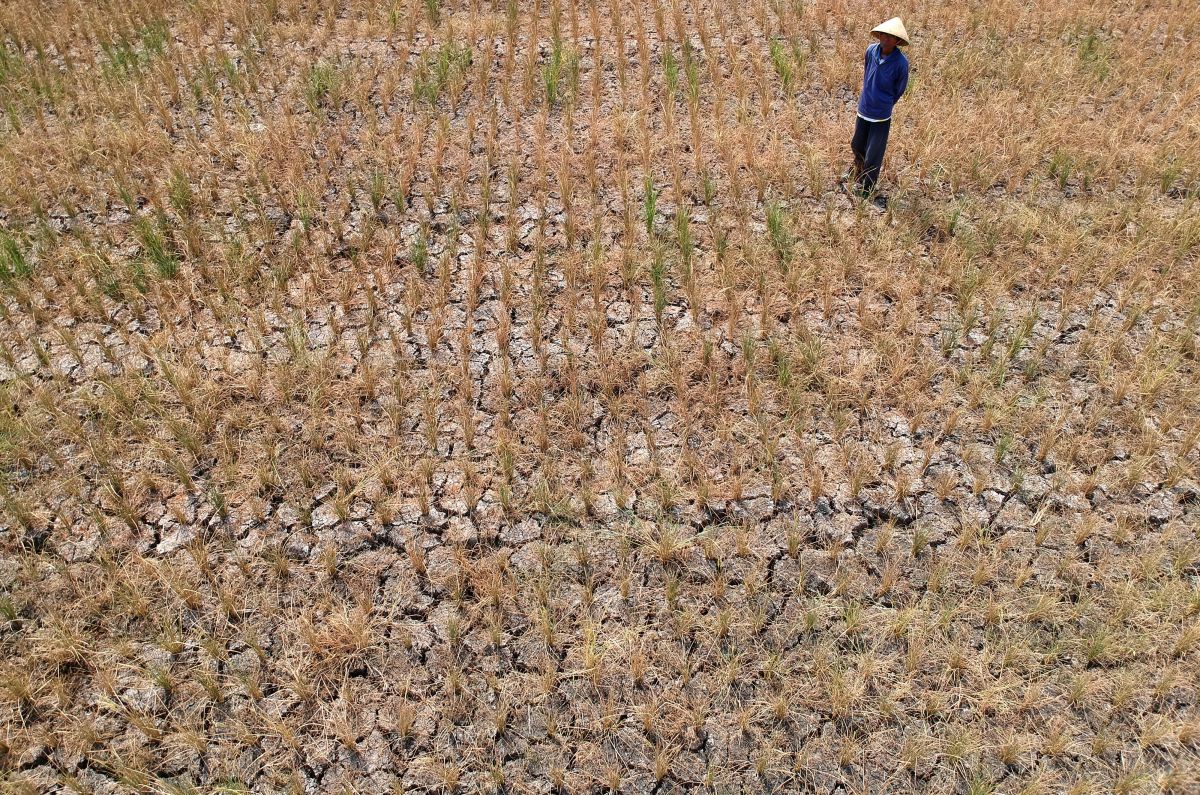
(504,397)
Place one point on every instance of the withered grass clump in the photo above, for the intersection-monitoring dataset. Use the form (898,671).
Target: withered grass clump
(497,396)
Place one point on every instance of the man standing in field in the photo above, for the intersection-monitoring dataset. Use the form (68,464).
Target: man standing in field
(885,76)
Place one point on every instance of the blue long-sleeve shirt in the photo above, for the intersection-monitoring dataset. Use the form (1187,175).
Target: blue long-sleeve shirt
(884,81)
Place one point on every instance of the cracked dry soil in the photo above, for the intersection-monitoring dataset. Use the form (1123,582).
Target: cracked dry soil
(504,397)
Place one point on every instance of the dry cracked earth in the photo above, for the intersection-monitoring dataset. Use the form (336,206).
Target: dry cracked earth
(505,397)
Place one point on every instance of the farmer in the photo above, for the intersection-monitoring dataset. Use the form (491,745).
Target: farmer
(885,76)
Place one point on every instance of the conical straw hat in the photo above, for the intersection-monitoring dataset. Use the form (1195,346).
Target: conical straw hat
(893,26)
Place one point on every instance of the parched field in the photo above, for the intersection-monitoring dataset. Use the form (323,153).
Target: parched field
(503,397)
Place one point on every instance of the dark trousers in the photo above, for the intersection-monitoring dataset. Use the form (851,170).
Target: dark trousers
(869,142)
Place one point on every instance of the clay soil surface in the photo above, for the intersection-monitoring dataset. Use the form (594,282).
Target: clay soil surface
(429,396)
